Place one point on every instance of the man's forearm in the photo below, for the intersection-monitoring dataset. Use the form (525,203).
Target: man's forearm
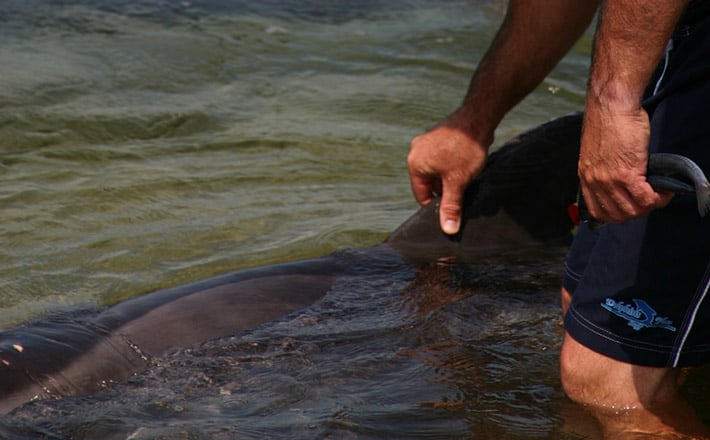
(630,42)
(533,38)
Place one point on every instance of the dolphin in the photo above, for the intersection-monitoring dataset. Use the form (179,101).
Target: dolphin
(521,199)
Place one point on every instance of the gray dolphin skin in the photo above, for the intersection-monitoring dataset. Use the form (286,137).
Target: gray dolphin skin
(74,354)
(521,199)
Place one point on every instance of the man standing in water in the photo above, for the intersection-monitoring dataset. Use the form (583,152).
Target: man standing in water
(633,290)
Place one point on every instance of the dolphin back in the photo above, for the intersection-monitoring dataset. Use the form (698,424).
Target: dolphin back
(81,352)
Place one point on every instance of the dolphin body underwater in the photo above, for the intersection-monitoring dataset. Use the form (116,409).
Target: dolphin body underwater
(521,199)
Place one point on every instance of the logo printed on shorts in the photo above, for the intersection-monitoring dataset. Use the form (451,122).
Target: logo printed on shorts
(639,315)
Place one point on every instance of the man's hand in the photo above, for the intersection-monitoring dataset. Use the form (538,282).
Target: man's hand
(612,165)
(443,161)
(528,45)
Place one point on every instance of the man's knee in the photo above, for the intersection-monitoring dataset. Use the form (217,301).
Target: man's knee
(578,379)
(592,378)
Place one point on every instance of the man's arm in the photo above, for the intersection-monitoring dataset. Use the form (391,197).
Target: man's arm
(533,38)
(630,41)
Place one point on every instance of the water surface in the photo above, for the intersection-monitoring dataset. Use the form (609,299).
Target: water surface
(144,144)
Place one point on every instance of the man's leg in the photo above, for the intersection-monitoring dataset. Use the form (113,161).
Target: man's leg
(626,399)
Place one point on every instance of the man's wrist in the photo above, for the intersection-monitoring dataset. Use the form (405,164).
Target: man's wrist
(613,97)
(478,127)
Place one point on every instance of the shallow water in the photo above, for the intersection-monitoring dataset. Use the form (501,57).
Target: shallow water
(392,351)
(145,144)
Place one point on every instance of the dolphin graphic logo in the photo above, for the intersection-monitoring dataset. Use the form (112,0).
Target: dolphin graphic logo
(639,316)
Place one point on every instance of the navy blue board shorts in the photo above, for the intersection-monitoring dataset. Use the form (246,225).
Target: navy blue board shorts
(640,288)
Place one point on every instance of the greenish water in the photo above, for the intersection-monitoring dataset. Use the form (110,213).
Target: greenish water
(145,144)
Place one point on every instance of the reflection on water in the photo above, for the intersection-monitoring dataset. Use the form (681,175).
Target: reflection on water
(147,143)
